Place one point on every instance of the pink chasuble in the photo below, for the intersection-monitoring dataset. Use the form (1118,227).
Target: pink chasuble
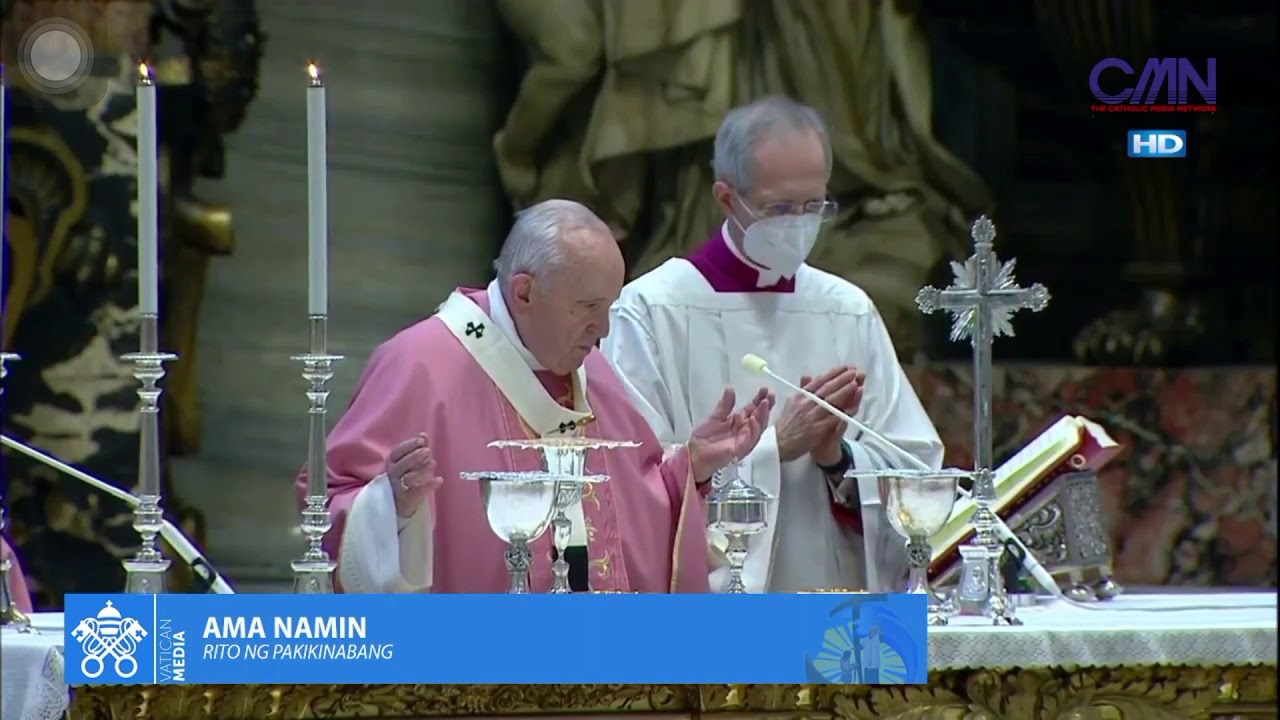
(728,273)
(17,581)
(645,527)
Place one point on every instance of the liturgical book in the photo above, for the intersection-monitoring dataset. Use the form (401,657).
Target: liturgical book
(1072,444)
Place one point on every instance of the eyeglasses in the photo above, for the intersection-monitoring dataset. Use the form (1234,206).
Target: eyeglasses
(826,209)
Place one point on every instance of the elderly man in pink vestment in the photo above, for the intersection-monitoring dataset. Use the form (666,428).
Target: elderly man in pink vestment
(17,581)
(747,290)
(519,360)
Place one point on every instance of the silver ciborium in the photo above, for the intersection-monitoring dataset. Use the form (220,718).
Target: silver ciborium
(565,458)
(918,504)
(737,510)
(518,506)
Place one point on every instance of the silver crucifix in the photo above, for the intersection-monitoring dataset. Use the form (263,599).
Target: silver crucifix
(982,300)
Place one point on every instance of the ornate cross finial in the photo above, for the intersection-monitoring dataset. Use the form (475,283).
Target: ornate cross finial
(982,284)
(983,231)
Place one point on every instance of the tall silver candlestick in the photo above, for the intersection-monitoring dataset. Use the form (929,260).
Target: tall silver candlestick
(982,300)
(313,573)
(146,570)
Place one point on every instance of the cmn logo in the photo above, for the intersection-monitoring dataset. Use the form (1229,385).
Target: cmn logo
(1157,143)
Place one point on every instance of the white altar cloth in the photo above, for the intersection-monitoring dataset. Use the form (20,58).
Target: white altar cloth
(32,684)
(1062,635)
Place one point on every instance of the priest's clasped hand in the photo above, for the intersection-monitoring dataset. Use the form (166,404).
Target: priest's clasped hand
(728,435)
(412,472)
(804,427)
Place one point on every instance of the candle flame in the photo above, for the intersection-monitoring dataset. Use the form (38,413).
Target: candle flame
(144,74)
(313,73)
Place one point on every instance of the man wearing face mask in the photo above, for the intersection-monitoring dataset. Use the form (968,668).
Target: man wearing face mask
(678,335)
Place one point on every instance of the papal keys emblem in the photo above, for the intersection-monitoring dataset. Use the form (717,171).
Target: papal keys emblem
(109,636)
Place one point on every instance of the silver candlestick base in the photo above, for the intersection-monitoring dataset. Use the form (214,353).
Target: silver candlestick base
(145,572)
(998,607)
(565,458)
(313,572)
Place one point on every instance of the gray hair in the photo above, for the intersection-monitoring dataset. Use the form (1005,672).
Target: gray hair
(534,244)
(744,126)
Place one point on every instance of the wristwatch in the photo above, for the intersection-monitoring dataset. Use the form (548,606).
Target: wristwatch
(845,465)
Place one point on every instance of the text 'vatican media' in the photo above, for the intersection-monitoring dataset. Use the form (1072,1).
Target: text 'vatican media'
(171,653)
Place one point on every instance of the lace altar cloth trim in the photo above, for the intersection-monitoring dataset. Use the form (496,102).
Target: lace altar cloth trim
(1062,635)
(32,683)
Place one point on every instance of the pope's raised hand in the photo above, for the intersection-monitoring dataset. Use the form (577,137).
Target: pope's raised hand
(728,435)
(412,472)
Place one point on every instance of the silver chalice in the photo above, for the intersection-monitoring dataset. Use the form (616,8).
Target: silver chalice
(565,458)
(738,510)
(918,504)
(518,506)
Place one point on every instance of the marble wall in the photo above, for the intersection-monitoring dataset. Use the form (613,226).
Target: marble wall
(414,94)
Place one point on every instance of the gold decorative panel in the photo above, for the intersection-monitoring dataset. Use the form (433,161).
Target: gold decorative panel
(1138,693)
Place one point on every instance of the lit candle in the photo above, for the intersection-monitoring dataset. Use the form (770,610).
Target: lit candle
(317,197)
(148,196)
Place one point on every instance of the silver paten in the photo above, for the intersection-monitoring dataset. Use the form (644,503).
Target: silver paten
(982,300)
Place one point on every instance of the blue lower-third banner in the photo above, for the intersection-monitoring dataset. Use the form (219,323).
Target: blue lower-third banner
(518,639)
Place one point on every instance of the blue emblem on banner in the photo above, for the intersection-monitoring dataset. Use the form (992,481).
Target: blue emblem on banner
(450,639)
(871,642)
(114,642)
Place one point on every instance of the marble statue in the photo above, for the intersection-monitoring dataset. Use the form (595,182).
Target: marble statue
(619,106)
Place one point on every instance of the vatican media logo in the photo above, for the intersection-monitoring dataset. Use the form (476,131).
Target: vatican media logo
(120,639)
(112,636)
(869,643)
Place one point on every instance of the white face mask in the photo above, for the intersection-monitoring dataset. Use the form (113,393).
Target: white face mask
(783,243)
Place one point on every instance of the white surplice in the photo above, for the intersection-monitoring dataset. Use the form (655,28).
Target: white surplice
(677,343)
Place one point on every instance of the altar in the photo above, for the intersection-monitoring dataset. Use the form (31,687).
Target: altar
(1153,656)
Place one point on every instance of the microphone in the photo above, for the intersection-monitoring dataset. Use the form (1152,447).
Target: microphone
(206,575)
(757,365)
